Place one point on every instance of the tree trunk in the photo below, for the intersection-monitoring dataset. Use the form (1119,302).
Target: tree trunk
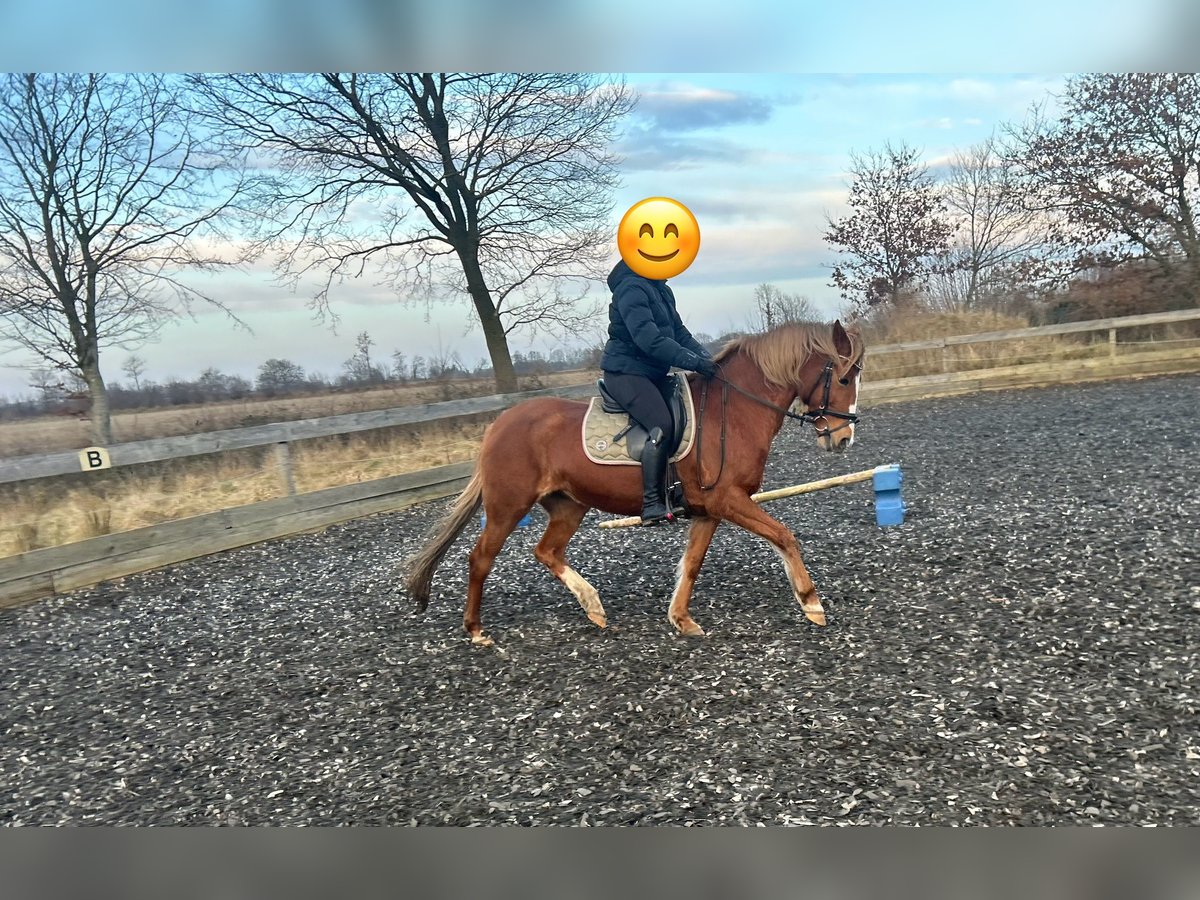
(489,319)
(101,422)
(497,344)
(973,287)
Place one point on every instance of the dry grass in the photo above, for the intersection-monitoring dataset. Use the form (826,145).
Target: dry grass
(903,327)
(63,433)
(48,512)
(51,511)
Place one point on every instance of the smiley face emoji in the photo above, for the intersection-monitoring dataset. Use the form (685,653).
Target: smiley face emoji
(658,238)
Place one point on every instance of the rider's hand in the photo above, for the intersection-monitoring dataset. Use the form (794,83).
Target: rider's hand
(705,366)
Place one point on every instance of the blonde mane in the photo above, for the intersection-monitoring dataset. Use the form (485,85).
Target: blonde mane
(780,352)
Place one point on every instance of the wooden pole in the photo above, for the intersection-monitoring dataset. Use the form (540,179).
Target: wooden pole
(283,462)
(777,494)
(809,487)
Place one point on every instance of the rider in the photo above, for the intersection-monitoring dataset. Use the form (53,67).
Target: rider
(646,338)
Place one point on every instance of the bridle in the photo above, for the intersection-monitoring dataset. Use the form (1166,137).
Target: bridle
(824,381)
(824,412)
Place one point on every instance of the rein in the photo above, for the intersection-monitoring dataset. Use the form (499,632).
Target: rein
(824,412)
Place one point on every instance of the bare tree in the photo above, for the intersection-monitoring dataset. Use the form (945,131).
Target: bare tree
(48,383)
(509,175)
(774,307)
(445,364)
(359,367)
(418,369)
(135,367)
(1120,170)
(104,201)
(894,231)
(399,366)
(279,376)
(994,225)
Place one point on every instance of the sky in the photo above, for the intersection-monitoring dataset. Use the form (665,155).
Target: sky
(756,142)
(760,159)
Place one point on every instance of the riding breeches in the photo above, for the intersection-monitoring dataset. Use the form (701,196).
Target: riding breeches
(645,399)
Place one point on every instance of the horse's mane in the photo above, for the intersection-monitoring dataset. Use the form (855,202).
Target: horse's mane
(780,352)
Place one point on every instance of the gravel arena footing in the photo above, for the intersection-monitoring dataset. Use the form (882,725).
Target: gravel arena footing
(1022,650)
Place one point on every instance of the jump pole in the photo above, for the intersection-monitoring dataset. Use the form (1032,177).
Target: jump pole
(889,508)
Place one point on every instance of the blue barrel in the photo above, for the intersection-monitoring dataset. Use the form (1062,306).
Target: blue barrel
(889,508)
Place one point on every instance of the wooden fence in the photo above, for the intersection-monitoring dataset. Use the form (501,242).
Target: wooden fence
(278,434)
(40,573)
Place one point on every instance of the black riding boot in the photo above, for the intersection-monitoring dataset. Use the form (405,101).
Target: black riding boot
(654,479)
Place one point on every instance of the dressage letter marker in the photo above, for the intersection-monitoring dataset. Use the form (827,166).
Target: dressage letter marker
(889,508)
(93,458)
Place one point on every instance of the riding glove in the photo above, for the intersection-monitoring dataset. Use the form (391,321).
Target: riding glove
(705,366)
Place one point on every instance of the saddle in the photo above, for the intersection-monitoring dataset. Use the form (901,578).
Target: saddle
(611,437)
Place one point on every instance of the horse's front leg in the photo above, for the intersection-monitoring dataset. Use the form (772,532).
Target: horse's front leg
(700,536)
(744,512)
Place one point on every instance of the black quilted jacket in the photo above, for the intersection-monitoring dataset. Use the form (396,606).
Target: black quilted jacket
(645,334)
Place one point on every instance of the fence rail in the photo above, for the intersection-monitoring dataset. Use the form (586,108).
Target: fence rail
(56,570)
(1066,371)
(41,573)
(23,468)
(985,337)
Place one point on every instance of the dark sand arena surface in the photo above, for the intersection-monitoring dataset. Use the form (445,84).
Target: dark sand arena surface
(1023,650)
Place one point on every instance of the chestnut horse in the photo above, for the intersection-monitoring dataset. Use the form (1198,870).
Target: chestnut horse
(533,453)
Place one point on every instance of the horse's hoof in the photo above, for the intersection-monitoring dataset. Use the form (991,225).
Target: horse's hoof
(599,619)
(816,616)
(482,640)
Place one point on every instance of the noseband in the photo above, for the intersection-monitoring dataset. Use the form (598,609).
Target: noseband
(824,380)
(824,412)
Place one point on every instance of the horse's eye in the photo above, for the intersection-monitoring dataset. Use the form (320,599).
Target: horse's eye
(843,381)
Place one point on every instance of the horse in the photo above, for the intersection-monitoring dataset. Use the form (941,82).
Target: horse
(533,453)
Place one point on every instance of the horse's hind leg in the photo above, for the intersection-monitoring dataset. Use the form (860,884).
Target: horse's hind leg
(565,517)
(499,525)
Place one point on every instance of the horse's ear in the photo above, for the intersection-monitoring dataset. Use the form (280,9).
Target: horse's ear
(841,340)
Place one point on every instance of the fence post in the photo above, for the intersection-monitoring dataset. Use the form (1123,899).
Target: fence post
(283,461)
(1112,342)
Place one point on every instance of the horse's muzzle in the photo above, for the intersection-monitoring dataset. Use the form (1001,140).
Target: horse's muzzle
(835,443)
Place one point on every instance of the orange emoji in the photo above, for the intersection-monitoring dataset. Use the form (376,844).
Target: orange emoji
(658,238)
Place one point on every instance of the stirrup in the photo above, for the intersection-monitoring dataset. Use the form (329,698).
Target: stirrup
(666,518)
(660,513)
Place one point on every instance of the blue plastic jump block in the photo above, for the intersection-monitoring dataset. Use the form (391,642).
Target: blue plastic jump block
(527,519)
(889,508)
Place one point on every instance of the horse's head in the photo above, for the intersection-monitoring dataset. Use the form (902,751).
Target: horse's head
(829,388)
(815,364)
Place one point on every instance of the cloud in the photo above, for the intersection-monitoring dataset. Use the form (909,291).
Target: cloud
(683,108)
(752,253)
(673,124)
(782,206)
(648,151)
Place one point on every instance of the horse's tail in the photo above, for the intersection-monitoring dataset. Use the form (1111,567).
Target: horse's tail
(421,566)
